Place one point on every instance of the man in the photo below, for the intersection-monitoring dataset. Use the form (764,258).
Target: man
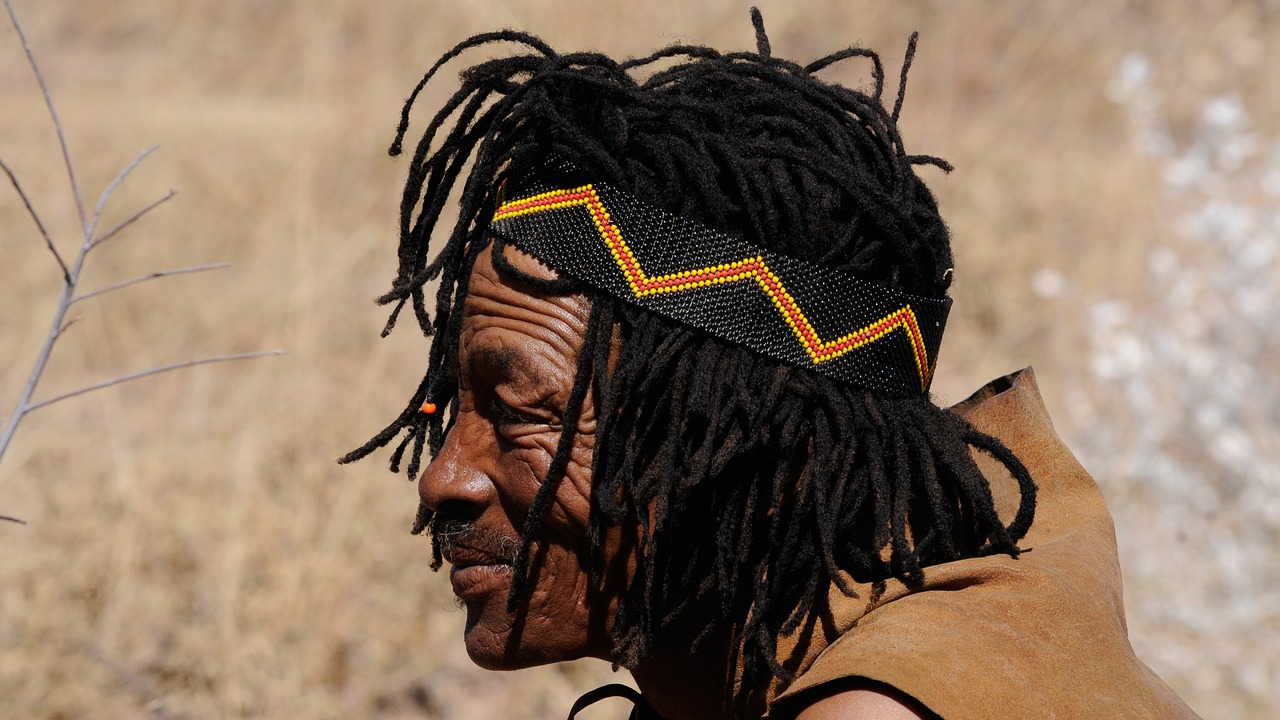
(684,330)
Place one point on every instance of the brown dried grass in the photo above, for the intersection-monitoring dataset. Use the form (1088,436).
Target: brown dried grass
(193,550)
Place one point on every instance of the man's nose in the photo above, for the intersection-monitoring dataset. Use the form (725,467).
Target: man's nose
(454,484)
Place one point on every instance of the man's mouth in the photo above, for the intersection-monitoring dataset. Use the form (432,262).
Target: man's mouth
(461,557)
(475,574)
(481,560)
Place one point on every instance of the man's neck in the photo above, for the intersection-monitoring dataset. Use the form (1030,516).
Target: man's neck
(681,686)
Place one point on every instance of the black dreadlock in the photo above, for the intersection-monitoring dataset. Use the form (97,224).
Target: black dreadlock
(755,485)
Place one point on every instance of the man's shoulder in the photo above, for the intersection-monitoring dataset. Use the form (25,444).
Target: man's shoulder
(1049,619)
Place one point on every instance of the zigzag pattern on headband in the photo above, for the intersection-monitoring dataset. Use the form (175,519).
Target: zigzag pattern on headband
(691,273)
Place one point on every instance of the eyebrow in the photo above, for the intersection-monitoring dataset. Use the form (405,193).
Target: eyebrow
(504,359)
(509,365)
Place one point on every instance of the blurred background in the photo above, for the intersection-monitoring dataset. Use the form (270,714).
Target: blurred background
(193,550)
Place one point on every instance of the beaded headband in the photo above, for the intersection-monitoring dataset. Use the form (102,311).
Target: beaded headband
(811,316)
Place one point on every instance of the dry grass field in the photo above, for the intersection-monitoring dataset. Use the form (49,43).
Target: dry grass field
(192,549)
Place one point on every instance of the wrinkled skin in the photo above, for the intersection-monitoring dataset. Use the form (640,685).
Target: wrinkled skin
(516,366)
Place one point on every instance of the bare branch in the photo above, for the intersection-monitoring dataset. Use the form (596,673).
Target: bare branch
(71,273)
(68,324)
(66,274)
(111,188)
(53,113)
(12,519)
(150,276)
(19,410)
(130,220)
(151,371)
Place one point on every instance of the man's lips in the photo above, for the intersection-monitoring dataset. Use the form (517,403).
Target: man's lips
(481,559)
(476,573)
(461,556)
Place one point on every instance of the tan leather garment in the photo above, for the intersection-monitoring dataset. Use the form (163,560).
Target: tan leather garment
(1040,636)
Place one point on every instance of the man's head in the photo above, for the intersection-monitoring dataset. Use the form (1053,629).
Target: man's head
(627,471)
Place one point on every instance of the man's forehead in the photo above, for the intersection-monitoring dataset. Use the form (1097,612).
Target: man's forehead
(507,319)
(522,261)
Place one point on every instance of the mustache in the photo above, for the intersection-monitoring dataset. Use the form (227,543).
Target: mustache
(451,534)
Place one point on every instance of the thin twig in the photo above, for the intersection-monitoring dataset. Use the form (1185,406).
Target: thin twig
(150,276)
(53,113)
(131,220)
(151,371)
(66,274)
(68,324)
(70,278)
(42,359)
(111,188)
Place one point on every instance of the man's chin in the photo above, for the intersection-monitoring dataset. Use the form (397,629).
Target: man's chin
(493,652)
(488,636)
(493,644)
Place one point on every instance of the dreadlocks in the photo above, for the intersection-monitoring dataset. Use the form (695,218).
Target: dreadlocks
(755,485)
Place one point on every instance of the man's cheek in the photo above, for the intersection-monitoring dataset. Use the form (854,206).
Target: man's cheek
(580,457)
(526,467)
(533,453)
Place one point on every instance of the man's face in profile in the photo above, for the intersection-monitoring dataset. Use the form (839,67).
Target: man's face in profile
(516,365)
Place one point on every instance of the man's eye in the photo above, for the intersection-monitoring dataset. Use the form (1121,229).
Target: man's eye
(503,414)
